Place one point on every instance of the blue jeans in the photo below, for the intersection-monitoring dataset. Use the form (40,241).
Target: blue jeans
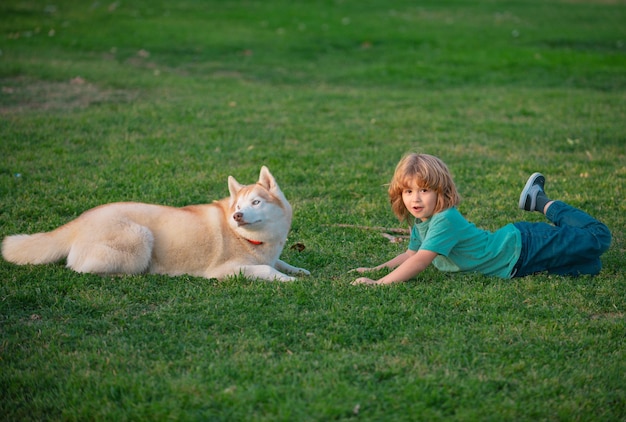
(572,246)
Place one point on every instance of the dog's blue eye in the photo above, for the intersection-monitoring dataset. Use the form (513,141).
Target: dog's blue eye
(256,202)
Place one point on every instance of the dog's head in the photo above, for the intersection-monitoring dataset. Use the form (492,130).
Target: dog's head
(260,209)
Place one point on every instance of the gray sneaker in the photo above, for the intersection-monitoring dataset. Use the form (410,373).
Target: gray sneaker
(528,198)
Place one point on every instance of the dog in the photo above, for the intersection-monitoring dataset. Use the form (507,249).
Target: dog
(243,234)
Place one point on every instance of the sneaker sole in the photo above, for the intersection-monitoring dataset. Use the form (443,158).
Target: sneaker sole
(529,184)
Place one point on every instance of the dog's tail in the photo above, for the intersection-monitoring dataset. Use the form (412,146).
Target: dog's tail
(38,248)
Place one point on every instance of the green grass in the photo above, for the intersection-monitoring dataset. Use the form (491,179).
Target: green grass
(161,101)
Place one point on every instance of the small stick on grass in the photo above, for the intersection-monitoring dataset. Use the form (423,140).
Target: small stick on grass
(385,231)
(374,228)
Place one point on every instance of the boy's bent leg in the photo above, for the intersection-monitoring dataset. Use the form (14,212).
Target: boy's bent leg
(595,235)
(565,250)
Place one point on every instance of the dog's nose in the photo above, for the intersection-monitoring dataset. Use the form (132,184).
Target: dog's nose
(238,216)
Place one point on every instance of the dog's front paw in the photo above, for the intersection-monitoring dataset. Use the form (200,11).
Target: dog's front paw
(302,271)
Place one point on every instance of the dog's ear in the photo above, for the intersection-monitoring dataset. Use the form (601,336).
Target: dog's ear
(233,186)
(267,180)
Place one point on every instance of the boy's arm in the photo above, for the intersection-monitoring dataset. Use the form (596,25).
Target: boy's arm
(411,265)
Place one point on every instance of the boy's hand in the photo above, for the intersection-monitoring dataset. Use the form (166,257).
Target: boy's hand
(364,280)
(361,270)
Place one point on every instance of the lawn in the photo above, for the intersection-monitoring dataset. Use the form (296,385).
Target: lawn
(160,101)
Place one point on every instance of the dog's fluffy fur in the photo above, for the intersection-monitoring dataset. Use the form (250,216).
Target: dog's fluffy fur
(243,234)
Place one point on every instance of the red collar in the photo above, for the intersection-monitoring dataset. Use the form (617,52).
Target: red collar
(255,242)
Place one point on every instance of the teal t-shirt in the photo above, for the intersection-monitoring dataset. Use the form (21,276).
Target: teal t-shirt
(463,247)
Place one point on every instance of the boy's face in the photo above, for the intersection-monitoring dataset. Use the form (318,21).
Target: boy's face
(420,202)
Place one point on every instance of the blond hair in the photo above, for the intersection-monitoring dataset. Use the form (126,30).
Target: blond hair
(425,171)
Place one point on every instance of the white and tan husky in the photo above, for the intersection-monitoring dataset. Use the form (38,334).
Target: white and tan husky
(244,234)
